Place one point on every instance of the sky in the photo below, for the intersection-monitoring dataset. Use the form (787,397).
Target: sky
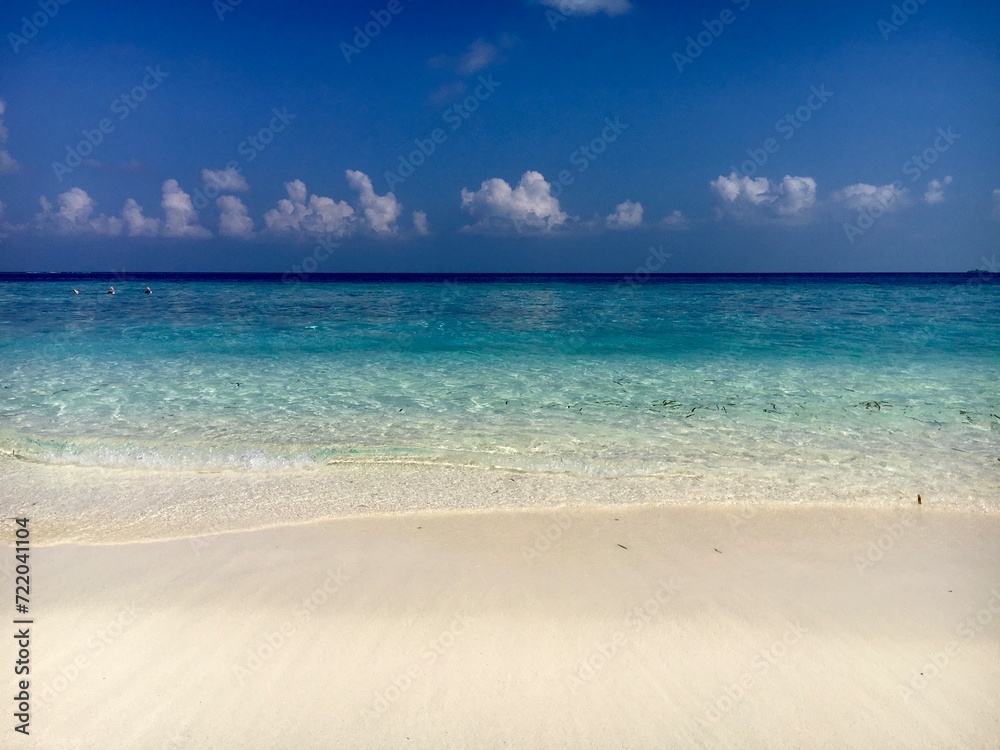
(499,136)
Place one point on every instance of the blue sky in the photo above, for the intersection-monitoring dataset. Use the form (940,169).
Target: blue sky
(517,135)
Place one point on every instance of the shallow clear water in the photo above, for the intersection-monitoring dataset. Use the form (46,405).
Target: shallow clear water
(679,375)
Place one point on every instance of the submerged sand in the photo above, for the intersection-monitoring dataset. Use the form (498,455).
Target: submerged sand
(630,627)
(97,505)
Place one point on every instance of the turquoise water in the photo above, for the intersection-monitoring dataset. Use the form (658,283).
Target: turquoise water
(684,375)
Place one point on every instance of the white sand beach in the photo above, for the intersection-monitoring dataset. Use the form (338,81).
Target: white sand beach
(628,627)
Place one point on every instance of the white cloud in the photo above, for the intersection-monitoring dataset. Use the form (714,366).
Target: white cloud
(75,216)
(317,215)
(676,220)
(137,225)
(234,221)
(935,190)
(479,55)
(380,211)
(744,197)
(447,92)
(865,197)
(181,220)
(7,163)
(420,223)
(227,180)
(627,215)
(530,205)
(589,7)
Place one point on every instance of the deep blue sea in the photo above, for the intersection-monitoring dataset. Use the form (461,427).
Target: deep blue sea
(857,375)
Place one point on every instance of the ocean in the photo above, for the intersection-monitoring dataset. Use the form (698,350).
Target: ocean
(847,380)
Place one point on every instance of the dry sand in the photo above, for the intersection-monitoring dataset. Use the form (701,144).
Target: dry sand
(629,627)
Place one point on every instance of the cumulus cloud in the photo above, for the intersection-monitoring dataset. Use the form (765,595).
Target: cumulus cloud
(7,163)
(627,215)
(589,7)
(865,197)
(313,215)
(935,190)
(675,220)
(75,215)
(234,221)
(380,211)
(180,218)
(746,197)
(137,225)
(530,205)
(420,223)
(227,180)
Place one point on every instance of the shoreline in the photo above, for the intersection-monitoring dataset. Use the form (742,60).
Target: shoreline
(583,627)
(95,505)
